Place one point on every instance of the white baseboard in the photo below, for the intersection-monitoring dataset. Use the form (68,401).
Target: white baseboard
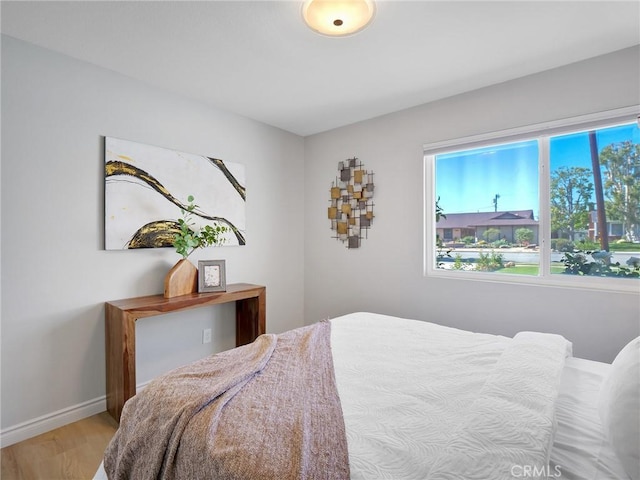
(50,421)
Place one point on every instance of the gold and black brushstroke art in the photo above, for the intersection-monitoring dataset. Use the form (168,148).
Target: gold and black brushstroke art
(155,235)
(229,176)
(160,233)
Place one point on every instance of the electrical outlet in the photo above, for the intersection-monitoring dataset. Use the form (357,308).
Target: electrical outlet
(206,335)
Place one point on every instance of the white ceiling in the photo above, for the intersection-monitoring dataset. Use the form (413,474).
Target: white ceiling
(258,59)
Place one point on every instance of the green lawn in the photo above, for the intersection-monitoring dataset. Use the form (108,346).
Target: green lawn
(529,269)
(613,246)
(624,247)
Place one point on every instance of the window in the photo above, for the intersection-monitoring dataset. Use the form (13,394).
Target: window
(555,203)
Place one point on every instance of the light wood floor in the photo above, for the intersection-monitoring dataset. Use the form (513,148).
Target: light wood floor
(67,453)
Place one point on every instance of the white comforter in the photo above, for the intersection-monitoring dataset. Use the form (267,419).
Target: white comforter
(427,402)
(448,404)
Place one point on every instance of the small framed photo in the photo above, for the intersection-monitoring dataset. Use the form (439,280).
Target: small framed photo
(211,276)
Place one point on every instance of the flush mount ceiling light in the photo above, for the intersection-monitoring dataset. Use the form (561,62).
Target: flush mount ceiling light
(337,18)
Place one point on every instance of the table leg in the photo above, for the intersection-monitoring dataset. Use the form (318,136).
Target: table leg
(120,358)
(250,318)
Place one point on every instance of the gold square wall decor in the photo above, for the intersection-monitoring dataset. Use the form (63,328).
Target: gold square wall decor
(351,198)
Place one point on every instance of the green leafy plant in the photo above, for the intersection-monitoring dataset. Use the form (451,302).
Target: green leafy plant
(562,245)
(441,251)
(439,211)
(491,234)
(502,243)
(599,265)
(524,236)
(587,244)
(489,262)
(457,262)
(189,238)
(460,263)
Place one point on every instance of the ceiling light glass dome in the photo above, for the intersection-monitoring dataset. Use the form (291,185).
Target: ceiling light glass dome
(337,18)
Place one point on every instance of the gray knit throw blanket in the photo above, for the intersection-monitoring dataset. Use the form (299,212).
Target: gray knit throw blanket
(267,410)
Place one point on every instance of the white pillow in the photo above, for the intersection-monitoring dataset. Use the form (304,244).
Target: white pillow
(619,407)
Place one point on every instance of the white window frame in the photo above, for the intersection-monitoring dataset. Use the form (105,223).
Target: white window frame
(541,132)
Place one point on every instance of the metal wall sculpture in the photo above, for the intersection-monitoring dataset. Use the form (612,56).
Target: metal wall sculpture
(351,202)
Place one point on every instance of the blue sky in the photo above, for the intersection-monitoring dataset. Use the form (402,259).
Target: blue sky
(469,181)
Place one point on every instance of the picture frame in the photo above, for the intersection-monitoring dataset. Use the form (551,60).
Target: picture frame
(212,276)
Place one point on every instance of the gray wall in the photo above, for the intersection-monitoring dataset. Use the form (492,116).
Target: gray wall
(385,275)
(56,275)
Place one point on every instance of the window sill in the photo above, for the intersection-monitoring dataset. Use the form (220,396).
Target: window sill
(609,284)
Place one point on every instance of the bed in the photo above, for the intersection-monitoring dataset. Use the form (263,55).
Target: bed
(370,396)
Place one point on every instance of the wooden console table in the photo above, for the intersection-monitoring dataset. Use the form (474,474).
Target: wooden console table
(120,330)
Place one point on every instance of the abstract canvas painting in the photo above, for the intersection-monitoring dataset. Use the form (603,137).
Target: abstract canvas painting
(146,188)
